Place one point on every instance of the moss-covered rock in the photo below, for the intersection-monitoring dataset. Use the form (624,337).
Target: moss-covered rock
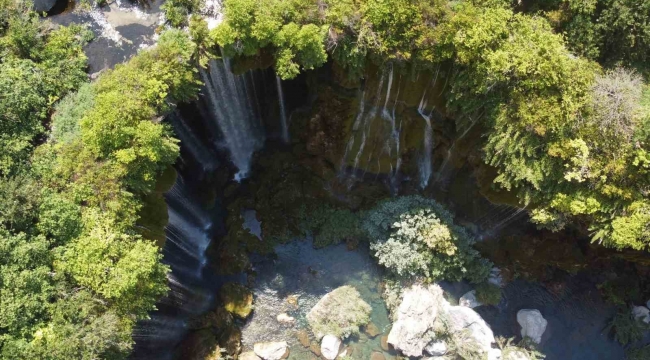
(237,299)
(339,313)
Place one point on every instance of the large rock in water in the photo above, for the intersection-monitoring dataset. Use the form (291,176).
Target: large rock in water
(330,347)
(271,350)
(416,315)
(641,313)
(339,313)
(44,5)
(463,319)
(532,324)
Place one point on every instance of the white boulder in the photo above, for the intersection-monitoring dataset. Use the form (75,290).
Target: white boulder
(464,319)
(271,350)
(330,346)
(415,318)
(532,324)
(494,354)
(285,318)
(436,348)
(641,313)
(469,300)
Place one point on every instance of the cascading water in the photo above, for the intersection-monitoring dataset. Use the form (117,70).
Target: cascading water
(233,111)
(283,114)
(425,161)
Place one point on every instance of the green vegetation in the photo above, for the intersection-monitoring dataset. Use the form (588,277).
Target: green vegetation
(339,313)
(625,327)
(415,236)
(638,354)
(75,275)
(237,299)
(523,350)
(564,134)
(488,293)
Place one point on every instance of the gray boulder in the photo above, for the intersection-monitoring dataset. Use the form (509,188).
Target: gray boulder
(532,324)
(330,346)
(271,350)
(44,5)
(464,319)
(415,319)
(469,300)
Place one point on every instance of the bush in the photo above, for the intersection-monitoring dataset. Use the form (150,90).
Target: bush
(625,327)
(416,236)
(339,313)
(488,293)
(638,354)
(329,225)
(65,122)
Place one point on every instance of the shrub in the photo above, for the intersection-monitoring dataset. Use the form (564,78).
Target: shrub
(339,313)
(625,327)
(416,236)
(488,293)
(65,122)
(329,225)
(523,350)
(638,354)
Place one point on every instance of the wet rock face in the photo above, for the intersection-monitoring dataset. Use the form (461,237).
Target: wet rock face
(237,299)
(44,5)
(532,324)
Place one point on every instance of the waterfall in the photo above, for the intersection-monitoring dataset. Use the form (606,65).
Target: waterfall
(283,114)
(232,109)
(425,161)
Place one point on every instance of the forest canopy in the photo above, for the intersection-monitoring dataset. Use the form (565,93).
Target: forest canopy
(559,87)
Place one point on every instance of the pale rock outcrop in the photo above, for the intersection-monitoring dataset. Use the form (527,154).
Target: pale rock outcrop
(469,300)
(461,318)
(271,350)
(516,355)
(641,313)
(330,346)
(415,318)
(249,356)
(532,324)
(436,348)
(285,318)
(494,354)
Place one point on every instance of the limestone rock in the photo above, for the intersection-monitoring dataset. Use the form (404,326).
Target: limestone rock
(532,324)
(372,330)
(383,342)
(469,300)
(376,355)
(237,299)
(271,350)
(303,338)
(515,355)
(436,348)
(641,313)
(465,319)
(285,318)
(494,354)
(314,348)
(330,346)
(415,318)
(249,355)
(339,313)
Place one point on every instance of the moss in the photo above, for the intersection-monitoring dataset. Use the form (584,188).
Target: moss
(153,215)
(237,299)
(339,313)
(625,327)
(488,293)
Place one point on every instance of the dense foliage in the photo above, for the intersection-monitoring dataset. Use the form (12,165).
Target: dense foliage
(568,135)
(415,236)
(75,276)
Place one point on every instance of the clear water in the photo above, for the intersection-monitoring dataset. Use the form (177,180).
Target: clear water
(306,274)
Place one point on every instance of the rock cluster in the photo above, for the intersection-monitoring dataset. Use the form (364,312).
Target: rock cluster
(422,311)
(271,350)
